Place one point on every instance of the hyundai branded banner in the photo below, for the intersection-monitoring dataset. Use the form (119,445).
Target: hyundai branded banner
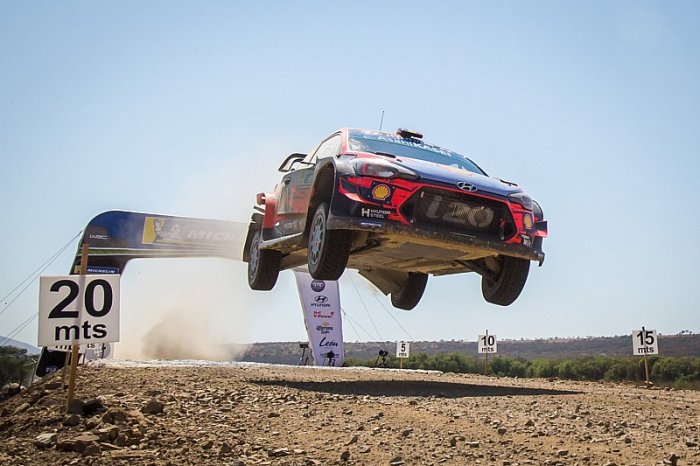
(320,302)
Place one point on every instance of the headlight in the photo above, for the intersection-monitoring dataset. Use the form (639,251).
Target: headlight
(522,199)
(382,169)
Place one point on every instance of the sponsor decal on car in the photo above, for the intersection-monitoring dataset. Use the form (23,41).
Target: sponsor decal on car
(527,221)
(381,192)
(370,212)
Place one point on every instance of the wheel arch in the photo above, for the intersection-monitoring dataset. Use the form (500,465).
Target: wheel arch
(256,222)
(322,190)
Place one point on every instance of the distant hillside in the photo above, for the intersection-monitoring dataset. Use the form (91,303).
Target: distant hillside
(19,344)
(552,348)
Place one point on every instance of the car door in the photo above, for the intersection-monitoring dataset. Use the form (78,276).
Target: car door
(295,188)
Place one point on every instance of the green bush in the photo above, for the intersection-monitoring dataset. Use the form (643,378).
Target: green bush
(680,372)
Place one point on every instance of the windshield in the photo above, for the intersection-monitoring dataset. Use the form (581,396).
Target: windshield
(411,148)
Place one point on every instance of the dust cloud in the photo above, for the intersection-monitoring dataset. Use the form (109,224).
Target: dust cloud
(198,308)
(183,309)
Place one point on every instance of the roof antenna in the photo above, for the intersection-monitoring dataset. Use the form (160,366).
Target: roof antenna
(381,122)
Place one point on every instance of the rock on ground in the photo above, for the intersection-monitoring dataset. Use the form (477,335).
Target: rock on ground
(254,415)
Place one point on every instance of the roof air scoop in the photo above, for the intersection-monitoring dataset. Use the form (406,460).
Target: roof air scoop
(409,134)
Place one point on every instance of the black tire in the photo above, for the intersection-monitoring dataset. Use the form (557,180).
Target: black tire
(328,250)
(411,291)
(263,265)
(507,282)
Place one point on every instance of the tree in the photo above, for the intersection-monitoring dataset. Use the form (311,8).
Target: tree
(15,365)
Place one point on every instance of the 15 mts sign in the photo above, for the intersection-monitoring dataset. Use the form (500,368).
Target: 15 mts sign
(78,309)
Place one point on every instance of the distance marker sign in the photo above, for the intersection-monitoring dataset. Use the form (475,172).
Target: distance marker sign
(487,344)
(78,309)
(644,342)
(403,349)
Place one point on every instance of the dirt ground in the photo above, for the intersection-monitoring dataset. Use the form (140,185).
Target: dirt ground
(161,413)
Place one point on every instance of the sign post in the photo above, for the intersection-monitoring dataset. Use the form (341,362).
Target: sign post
(75,310)
(402,351)
(487,344)
(74,348)
(644,342)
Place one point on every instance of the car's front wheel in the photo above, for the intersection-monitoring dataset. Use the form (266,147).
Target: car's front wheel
(506,281)
(263,265)
(411,291)
(328,250)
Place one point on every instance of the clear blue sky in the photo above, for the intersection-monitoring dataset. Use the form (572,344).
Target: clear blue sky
(187,108)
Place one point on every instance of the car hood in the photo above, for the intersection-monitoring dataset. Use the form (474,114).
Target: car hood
(445,174)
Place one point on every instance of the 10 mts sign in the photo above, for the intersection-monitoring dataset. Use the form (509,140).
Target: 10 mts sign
(78,309)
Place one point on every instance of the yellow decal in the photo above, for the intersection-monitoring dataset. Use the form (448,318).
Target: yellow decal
(149,231)
(381,192)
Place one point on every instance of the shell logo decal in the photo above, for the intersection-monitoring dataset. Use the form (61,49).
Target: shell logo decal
(527,221)
(381,192)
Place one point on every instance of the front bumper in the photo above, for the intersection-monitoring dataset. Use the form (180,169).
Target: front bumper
(434,237)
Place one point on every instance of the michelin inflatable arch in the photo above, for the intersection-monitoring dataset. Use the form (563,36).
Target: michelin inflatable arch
(116,237)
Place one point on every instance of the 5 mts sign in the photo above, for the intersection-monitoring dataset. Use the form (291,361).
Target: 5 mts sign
(78,309)
(403,349)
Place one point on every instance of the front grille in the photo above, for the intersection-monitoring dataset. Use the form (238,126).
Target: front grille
(459,212)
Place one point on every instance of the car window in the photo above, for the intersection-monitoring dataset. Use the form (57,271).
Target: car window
(328,148)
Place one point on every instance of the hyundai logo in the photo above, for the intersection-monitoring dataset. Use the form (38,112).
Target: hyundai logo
(320,299)
(464,186)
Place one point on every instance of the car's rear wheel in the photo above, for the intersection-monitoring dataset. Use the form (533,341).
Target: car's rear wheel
(507,280)
(328,250)
(411,291)
(263,265)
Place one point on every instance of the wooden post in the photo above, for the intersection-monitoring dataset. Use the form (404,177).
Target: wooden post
(400,363)
(74,349)
(646,366)
(486,354)
(65,370)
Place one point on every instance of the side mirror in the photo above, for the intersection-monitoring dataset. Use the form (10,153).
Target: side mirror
(291,161)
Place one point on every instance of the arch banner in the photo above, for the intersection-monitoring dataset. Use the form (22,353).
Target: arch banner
(115,237)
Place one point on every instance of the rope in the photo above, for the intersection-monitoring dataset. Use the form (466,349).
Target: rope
(27,282)
(372,337)
(33,276)
(391,314)
(6,340)
(352,280)
(358,324)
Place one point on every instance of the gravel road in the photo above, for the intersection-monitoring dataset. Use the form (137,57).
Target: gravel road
(181,413)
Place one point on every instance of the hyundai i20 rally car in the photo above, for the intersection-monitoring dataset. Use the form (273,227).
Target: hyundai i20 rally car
(397,209)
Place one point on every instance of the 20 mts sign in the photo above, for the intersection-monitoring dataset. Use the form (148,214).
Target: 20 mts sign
(78,309)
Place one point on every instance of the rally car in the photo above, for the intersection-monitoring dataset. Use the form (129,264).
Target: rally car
(398,210)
